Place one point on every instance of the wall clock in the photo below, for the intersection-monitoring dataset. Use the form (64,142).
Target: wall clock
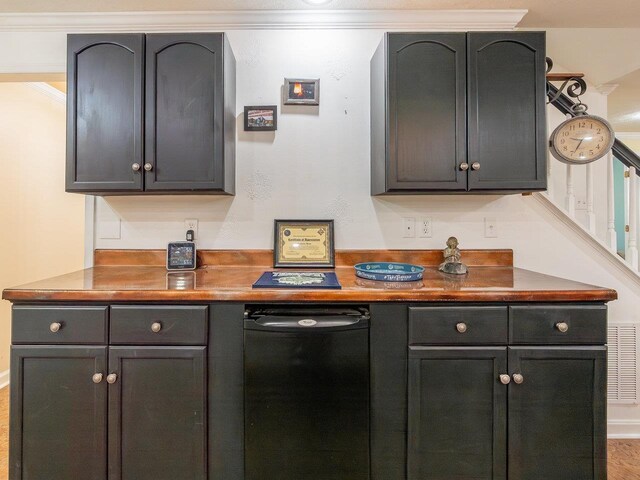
(582,139)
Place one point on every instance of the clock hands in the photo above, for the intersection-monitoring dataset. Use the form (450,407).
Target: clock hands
(581,140)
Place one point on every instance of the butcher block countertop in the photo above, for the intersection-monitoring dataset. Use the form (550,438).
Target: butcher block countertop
(225,275)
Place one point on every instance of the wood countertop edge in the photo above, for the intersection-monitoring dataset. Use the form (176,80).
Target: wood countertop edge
(275,295)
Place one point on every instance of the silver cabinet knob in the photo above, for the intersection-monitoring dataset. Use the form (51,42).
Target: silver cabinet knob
(518,378)
(55,327)
(97,377)
(156,327)
(148,167)
(475,166)
(461,327)
(135,167)
(562,327)
(464,167)
(111,378)
(505,379)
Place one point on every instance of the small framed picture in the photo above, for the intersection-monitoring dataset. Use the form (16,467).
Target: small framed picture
(261,118)
(303,243)
(301,91)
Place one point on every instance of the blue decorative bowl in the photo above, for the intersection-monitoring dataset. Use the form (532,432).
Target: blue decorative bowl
(389,272)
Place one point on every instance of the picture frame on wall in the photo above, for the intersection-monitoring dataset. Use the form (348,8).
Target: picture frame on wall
(261,118)
(302,91)
(303,243)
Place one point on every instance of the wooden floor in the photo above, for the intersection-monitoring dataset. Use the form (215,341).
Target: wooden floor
(624,455)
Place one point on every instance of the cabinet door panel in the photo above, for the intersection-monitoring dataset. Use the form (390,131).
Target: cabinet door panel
(557,416)
(427,124)
(507,126)
(457,413)
(58,414)
(157,413)
(184,111)
(104,112)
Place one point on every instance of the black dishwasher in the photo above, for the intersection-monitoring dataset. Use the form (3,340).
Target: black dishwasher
(306,380)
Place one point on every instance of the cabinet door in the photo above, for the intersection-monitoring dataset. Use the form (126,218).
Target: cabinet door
(507,126)
(104,112)
(557,415)
(157,413)
(427,101)
(457,413)
(184,112)
(58,414)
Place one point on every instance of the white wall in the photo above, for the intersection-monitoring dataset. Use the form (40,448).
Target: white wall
(42,233)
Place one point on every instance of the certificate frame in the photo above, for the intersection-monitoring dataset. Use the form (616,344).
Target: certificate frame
(281,246)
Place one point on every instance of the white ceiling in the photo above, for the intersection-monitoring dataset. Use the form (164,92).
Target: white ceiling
(542,13)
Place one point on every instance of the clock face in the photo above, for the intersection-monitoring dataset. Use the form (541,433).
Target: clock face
(582,139)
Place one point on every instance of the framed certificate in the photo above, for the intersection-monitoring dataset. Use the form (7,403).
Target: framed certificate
(303,243)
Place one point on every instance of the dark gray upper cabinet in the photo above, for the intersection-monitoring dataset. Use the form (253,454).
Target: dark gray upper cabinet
(58,414)
(104,112)
(457,112)
(426,111)
(507,125)
(186,117)
(181,87)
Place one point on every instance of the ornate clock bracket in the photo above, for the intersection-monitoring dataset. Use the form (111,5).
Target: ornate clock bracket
(574,85)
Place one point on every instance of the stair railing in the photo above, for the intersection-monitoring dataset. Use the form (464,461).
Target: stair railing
(631,192)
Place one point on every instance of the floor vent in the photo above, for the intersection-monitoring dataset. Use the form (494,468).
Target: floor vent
(623,384)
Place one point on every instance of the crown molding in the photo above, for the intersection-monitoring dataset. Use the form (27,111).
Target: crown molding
(51,92)
(78,22)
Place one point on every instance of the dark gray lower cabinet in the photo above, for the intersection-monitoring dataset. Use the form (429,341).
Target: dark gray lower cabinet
(457,413)
(549,421)
(157,413)
(481,393)
(58,425)
(557,415)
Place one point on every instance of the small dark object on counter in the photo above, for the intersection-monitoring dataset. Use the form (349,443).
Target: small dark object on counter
(452,263)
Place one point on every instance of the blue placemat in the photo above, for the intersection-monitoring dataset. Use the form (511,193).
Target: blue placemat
(306,280)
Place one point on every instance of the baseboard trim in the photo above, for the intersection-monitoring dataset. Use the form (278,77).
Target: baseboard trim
(4,378)
(623,429)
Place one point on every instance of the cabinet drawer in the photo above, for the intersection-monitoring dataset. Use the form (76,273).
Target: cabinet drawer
(545,324)
(159,325)
(457,325)
(59,325)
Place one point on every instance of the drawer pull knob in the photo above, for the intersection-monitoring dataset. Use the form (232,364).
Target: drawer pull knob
(562,327)
(461,327)
(97,377)
(111,378)
(148,167)
(475,166)
(505,379)
(55,327)
(135,167)
(464,167)
(518,378)
(156,327)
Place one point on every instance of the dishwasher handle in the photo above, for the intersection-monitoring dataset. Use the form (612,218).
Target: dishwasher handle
(311,323)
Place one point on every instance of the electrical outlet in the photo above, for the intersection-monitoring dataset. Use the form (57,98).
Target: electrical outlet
(191,224)
(425,227)
(490,227)
(409,227)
